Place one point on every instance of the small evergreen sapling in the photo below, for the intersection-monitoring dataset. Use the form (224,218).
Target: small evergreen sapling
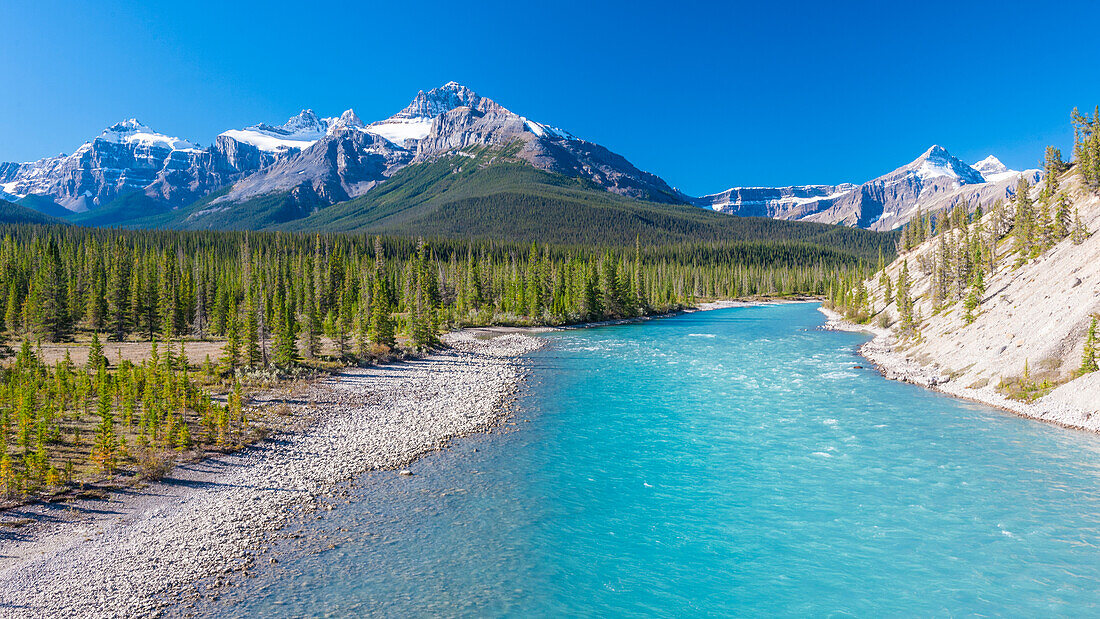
(1088,358)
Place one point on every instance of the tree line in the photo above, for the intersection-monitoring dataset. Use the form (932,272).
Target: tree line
(290,290)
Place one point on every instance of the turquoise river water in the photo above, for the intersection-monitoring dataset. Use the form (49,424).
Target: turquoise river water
(731,462)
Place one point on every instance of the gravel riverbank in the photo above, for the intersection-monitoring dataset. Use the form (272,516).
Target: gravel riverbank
(1070,405)
(134,554)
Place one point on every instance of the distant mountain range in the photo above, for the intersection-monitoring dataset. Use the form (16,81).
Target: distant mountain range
(270,176)
(932,182)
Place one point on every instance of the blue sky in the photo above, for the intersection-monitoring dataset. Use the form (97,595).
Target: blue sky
(707,95)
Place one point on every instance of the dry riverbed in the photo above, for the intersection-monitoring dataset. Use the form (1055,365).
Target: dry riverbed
(135,552)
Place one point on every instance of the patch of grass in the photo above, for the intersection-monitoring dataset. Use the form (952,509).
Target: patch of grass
(1031,387)
(980,383)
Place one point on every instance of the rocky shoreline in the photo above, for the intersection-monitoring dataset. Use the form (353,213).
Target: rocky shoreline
(1061,407)
(134,554)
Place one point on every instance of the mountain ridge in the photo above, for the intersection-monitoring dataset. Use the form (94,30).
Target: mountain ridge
(311,162)
(934,181)
(322,161)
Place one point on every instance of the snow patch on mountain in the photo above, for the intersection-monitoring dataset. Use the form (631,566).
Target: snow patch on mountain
(398,130)
(543,130)
(10,191)
(297,133)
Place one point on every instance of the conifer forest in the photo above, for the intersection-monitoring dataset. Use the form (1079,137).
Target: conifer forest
(276,306)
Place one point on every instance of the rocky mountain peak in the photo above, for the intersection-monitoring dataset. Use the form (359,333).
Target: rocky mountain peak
(937,162)
(935,152)
(305,121)
(442,100)
(349,119)
(990,165)
(130,125)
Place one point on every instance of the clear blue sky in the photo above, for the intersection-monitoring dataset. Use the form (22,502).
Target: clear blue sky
(706,95)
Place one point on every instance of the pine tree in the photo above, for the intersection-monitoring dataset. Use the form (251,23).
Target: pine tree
(381,324)
(96,301)
(47,302)
(286,340)
(1080,233)
(250,335)
(118,294)
(1044,229)
(231,352)
(423,327)
(95,353)
(1062,220)
(137,297)
(167,306)
(1024,222)
(106,443)
(12,308)
(1088,358)
(905,303)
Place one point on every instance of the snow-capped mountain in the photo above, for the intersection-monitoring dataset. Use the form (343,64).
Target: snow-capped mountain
(352,157)
(933,181)
(317,161)
(992,170)
(125,157)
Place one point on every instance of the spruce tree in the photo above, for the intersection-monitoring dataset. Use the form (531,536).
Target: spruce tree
(1088,358)
(1080,233)
(251,334)
(231,352)
(95,353)
(118,293)
(47,305)
(1024,222)
(313,329)
(286,340)
(381,332)
(104,452)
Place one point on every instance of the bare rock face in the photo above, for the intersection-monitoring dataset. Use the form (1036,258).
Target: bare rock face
(1033,318)
(464,127)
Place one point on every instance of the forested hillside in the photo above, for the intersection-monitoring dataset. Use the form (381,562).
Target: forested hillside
(485,195)
(14,214)
(1002,305)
